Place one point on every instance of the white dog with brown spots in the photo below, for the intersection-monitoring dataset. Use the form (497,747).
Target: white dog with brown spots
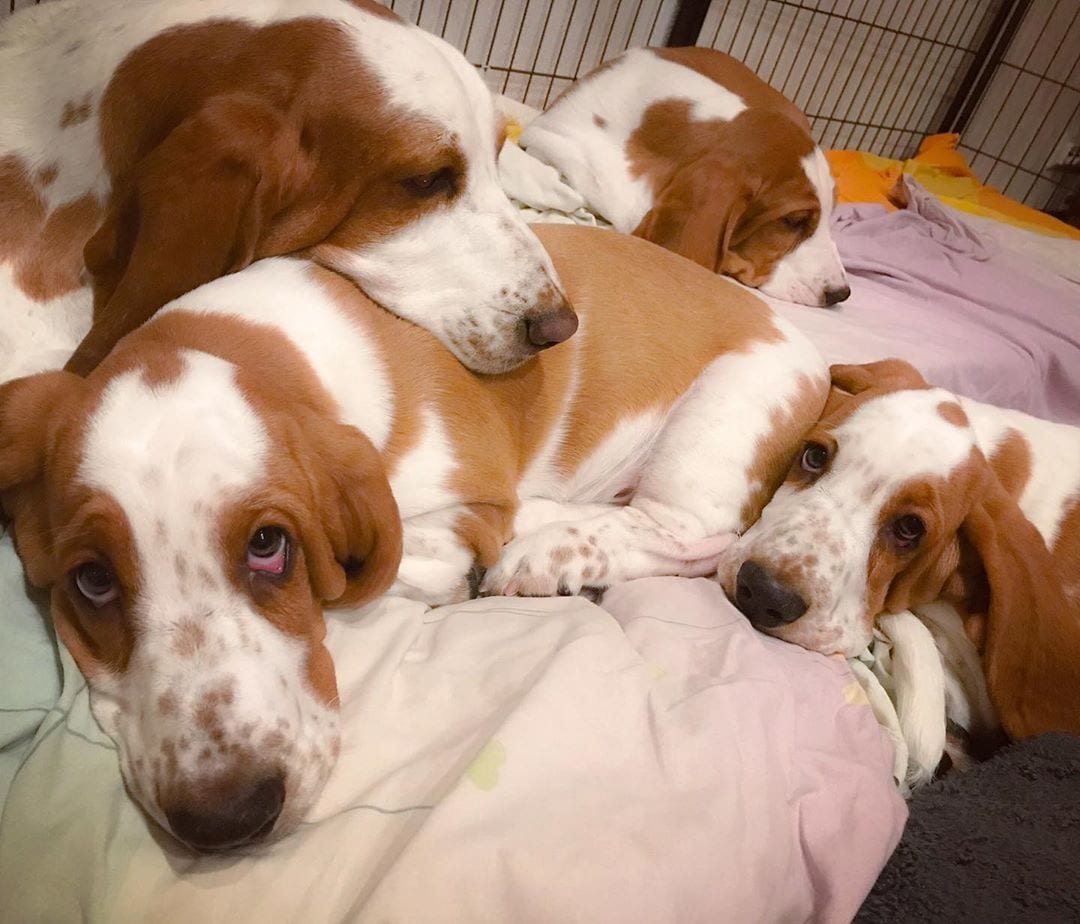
(248,456)
(908,498)
(148,146)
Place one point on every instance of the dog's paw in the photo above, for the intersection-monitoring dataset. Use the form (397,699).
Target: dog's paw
(557,560)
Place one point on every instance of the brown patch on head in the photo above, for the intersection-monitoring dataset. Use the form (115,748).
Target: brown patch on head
(599,121)
(778,450)
(735,76)
(730,195)
(1012,462)
(189,638)
(953,413)
(76,112)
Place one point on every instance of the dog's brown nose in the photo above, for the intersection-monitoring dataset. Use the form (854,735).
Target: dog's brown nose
(764,599)
(232,819)
(835,296)
(551,327)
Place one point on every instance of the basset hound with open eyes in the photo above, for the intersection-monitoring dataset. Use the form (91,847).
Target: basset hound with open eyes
(243,459)
(906,497)
(148,146)
(689,148)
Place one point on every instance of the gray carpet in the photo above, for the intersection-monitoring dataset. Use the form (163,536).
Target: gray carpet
(999,842)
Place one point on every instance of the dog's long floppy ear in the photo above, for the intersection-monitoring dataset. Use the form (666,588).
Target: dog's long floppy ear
(696,214)
(1031,643)
(28,409)
(194,209)
(357,540)
(884,375)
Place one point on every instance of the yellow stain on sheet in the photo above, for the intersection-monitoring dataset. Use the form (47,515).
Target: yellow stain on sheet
(854,695)
(484,770)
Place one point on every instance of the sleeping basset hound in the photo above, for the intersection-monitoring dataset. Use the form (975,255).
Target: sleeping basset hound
(243,459)
(906,497)
(148,146)
(689,148)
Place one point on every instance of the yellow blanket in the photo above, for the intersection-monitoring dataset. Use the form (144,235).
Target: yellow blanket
(863,177)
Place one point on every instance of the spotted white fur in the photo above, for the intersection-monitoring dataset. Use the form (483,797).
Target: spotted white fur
(468,272)
(585,136)
(885,443)
(169,455)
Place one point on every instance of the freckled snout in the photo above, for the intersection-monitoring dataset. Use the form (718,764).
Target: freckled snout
(230,816)
(765,600)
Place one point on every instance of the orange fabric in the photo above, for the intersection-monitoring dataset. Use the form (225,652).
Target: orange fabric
(943,170)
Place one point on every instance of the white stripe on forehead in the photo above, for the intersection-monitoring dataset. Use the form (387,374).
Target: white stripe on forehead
(162,449)
(902,435)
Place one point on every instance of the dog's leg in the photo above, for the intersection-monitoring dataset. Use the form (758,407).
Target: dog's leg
(441,548)
(721,453)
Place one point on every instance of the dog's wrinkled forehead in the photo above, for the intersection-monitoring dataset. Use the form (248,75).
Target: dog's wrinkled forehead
(902,435)
(167,445)
(428,76)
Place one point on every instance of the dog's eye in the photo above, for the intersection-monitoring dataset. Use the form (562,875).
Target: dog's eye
(97,583)
(424,185)
(908,530)
(797,221)
(268,550)
(814,458)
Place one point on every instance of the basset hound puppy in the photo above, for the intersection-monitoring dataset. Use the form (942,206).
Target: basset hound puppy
(908,498)
(148,146)
(249,456)
(689,148)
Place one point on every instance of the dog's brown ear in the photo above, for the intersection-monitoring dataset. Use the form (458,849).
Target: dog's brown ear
(884,375)
(193,209)
(29,409)
(356,547)
(695,215)
(1031,636)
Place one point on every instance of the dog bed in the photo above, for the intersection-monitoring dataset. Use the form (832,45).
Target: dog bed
(996,843)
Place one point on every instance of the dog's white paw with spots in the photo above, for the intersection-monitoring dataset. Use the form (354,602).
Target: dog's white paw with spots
(556,559)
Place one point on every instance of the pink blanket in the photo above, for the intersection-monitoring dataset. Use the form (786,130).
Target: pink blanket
(974,317)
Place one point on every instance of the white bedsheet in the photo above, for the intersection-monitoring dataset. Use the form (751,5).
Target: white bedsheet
(504,760)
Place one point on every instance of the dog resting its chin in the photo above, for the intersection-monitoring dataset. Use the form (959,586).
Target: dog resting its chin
(905,497)
(150,147)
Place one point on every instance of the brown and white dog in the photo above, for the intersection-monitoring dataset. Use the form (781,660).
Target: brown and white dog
(178,140)
(906,497)
(242,459)
(689,148)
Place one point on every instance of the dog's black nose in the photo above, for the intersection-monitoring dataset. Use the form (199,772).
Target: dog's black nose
(232,819)
(764,600)
(551,327)
(835,296)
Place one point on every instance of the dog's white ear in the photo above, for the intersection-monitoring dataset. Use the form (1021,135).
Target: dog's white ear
(1031,638)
